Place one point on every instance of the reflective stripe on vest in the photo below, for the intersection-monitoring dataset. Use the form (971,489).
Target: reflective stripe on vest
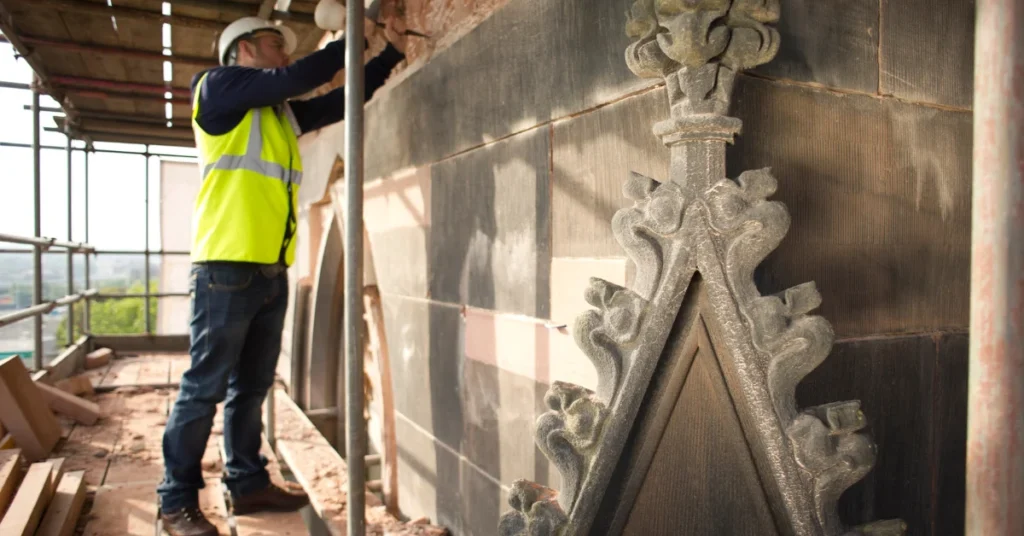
(252,160)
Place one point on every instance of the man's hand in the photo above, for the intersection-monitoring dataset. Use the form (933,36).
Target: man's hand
(392,12)
(394,30)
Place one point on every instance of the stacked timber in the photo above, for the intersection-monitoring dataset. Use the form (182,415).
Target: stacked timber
(36,495)
(38,498)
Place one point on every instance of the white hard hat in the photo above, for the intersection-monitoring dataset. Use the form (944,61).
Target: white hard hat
(330,15)
(246,26)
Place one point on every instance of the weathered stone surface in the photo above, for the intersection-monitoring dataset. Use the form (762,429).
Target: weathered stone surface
(868,183)
(927,51)
(914,391)
(452,491)
(830,43)
(425,340)
(418,479)
(906,166)
(592,153)
(400,261)
(949,431)
(481,501)
(698,221)
(474,406)
(489,240)
(503,409)
(540,60)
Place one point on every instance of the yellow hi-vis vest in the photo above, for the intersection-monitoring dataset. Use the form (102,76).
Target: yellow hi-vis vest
(242,210)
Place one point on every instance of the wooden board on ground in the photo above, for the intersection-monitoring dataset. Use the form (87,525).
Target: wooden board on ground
(96,375)
(89,448)
(156,368)
(76,385)
(138,454)
(65,507)
(123,372)
(98,358)
(128,510)
(30,502)
(24,413)
(79,409)
(10,476)
(56,472)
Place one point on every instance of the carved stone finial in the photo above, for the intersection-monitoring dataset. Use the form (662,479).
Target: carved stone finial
(698,47)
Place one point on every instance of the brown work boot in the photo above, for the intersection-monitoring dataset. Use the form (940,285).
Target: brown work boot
(187,522)
(270,498)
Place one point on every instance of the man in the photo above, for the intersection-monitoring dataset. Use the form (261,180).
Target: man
(243,226)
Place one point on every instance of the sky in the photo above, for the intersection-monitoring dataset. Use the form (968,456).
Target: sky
(117,183)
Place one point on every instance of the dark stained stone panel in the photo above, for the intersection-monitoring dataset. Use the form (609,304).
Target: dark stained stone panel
(830,43)
(927,51)
(482,502)
(913,391)
(419,482)
(949,434)
(429,477)
(489,239)
(528,63)
(592,158)
(425,344)
(504,411)
(879,193)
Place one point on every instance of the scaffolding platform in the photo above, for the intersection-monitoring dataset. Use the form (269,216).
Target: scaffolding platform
(121,457)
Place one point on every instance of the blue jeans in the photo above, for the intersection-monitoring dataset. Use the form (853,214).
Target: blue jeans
(237,318)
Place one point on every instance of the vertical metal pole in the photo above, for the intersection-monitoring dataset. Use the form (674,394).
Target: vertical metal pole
(149,321)
(71,260)
(87,317)
(355,440)
(995,414)
(37,254)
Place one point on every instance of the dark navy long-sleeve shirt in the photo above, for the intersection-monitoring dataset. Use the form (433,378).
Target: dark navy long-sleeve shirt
(229,92)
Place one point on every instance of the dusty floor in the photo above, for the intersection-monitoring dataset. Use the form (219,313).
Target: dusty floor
(122,458)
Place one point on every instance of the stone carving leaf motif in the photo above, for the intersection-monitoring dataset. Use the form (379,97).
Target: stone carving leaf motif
(698,47)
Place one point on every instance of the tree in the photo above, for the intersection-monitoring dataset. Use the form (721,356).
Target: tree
(122,316)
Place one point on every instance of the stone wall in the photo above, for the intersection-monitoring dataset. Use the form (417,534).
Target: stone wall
(494,170)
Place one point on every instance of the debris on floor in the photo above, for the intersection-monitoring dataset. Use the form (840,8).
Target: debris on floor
(92,468)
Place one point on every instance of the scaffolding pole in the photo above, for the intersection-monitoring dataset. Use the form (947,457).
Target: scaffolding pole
(149,321)
(37,251)
(86,314)
(355,440)
(995,414)
(71,262)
